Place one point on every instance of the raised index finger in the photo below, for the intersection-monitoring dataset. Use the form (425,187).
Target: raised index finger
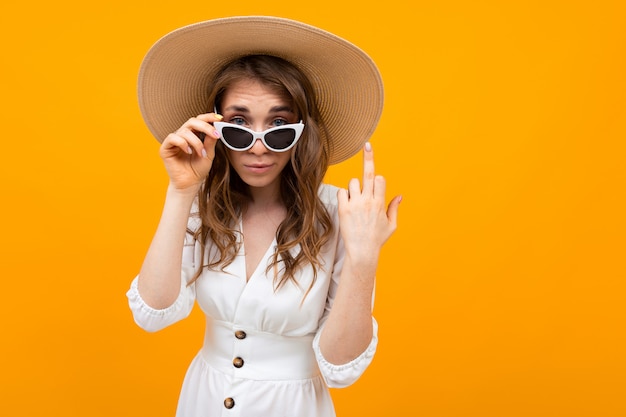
(368,169)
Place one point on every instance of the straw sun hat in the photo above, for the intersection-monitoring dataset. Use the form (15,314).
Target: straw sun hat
(176,73)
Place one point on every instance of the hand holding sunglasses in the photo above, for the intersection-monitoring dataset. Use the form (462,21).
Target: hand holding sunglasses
(276,139)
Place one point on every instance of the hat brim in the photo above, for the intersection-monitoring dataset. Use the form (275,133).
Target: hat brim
(176,72)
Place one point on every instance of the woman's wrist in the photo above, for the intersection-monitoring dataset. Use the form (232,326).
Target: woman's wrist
(187,193)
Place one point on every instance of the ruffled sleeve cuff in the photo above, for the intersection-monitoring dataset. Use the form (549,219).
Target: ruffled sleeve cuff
(151,319)
(341,376)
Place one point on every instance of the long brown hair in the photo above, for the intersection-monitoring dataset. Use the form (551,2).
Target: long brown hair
(224,195)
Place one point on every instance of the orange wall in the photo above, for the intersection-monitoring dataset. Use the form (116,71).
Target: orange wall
(503,291)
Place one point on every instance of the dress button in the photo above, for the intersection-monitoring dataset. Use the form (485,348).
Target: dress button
(238,362)
(240,334)
(229,403)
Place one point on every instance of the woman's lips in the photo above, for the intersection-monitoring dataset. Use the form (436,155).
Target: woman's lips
(258,168)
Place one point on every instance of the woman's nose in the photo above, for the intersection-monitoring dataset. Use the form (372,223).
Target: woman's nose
(258,147)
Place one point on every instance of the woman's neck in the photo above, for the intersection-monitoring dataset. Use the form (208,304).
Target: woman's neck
(265,203)
(265,197)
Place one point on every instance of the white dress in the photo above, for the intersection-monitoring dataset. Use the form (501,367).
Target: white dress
(261,354)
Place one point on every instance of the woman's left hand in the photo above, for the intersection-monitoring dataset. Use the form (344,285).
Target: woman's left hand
(365,220)
(365,223)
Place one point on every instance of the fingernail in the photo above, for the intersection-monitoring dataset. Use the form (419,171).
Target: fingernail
(189,150)
(368,146)
(203,153)
(216,133)
(218,116)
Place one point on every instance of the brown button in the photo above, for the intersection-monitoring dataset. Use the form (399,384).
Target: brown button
(240,334)
(229,403)
(238,362)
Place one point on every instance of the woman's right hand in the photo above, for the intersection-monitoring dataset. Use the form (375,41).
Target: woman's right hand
(186,158)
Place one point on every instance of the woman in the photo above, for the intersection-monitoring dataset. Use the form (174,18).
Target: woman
(282,265)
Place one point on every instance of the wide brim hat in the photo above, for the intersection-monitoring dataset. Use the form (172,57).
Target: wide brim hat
(176,73)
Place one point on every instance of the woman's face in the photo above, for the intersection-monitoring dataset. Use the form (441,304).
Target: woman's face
(255,106)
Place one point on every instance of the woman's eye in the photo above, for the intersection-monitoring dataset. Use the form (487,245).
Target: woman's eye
(279,122)
(238,121)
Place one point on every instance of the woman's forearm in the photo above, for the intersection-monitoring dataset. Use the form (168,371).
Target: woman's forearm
(348,330)
(160,274)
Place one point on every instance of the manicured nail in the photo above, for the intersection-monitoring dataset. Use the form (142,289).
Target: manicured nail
(218,116)
(216,133)
(189,150)
(203,153)
(368,146)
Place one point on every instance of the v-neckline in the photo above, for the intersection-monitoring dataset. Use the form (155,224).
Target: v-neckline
(263,261)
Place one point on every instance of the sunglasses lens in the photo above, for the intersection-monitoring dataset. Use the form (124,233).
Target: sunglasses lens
(237,138)
(280,139)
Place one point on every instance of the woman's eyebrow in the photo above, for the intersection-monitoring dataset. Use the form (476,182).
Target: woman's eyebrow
(243,109)
(238,109)
(278,109)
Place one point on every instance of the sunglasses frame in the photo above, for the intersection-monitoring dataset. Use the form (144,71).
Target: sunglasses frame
(298,127)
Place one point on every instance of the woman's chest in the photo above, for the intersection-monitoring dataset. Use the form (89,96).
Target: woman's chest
(256,303)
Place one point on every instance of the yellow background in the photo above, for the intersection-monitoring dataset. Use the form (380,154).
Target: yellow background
(502,293)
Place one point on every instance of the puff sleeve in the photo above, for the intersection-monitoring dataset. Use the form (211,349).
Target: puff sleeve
(153,320)
(341,376)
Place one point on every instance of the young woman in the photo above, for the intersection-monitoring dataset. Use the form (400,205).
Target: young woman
(282,265)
